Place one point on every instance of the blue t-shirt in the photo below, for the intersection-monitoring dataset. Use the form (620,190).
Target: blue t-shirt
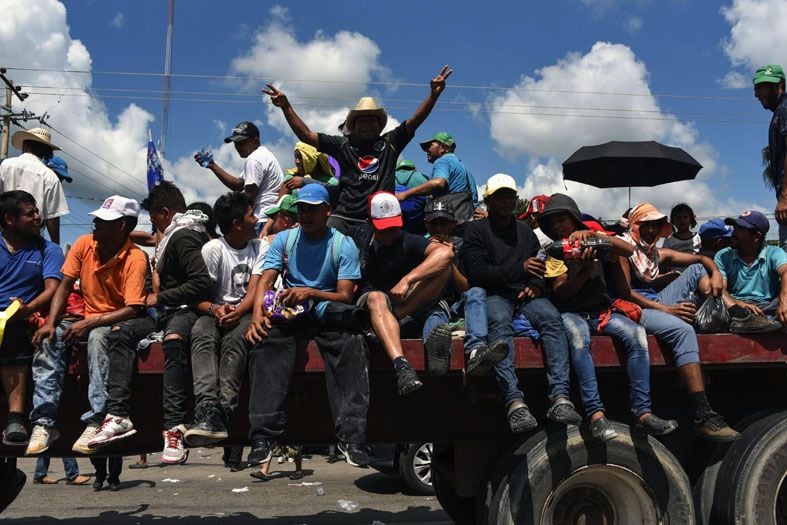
(311,263)
(450,168)
(758,283)
(22,274)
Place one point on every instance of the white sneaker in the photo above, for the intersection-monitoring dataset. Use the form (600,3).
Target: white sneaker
(80,445)
(112,429)
(41,439)
(174,452)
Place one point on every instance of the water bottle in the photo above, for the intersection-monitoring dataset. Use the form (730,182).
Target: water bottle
(567,251)
(320,490)
(205,157)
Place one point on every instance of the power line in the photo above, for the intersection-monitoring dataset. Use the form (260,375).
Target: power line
(376,83)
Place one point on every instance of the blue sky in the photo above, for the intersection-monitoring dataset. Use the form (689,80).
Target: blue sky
(680,72)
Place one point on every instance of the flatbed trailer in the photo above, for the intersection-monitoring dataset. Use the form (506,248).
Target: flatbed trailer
(484,474)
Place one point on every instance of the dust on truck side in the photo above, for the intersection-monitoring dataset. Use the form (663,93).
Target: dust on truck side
(485,475)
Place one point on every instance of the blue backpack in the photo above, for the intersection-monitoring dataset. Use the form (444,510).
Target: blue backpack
(413,212)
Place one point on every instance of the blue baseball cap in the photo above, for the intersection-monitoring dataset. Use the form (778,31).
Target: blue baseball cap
(312,194)
(751,220)
(715,229)
(60,167)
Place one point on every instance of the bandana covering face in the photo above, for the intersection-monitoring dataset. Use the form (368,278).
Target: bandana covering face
(645,261)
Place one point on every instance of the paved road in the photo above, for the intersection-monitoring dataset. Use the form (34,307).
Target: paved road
(201,492)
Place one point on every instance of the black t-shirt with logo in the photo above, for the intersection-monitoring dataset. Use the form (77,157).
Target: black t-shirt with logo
(384,266)
(366,167)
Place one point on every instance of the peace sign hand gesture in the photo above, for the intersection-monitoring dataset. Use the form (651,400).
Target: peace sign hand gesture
(278,98)
(437,84)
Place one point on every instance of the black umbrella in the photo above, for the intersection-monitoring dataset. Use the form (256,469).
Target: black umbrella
(625,164)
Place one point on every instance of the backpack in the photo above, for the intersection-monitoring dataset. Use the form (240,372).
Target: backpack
(413,212)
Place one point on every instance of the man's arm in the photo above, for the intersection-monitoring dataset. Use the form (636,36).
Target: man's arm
(684,311)
(230,181)
(438,258)
(676,258)
(429,187)
(781,310)
(258,329)
(436,86)
(53,229)
(297,126)
(197,284)
(781,203)
(481,272)
(56,308)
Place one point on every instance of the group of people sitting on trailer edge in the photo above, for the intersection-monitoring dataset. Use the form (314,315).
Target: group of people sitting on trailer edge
(332,261)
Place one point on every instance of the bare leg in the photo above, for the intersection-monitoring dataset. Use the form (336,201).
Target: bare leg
(691,374)
(15,384)
(425,292)
(385,325)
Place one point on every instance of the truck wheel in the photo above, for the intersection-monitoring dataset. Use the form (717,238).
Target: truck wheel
(751,484)
(568,477)
(705,486)
(415,466)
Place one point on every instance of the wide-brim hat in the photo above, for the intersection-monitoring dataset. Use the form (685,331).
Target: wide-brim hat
(366,106)
(35,134)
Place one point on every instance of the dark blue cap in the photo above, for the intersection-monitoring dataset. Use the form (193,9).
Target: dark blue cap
(60,167)
(751,220)
(715,229)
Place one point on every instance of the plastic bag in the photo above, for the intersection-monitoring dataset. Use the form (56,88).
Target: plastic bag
(712,317)
(278,312)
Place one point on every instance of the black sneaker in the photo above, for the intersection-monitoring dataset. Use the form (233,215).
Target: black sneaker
(483,358)
(355,454)
(438,349)
(655,426)
(407,380)
(602,430)
(562,411)
(260,452)
(521,420)
(753,324)
(15,435)
(714,428)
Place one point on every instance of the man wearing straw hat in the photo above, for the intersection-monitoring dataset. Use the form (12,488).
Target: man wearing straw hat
(29,172)
(366,157)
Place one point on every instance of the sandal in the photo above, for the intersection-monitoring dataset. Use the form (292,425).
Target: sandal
(259,475)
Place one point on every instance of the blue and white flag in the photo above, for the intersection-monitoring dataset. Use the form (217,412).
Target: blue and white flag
(155,170)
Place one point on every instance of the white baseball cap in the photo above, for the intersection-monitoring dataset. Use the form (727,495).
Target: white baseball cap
(385,211)
(499,181)
(117,207)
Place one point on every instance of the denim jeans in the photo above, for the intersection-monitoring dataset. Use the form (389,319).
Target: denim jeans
(346,376)
(473,304)
(546,319)
(69,465)
(681,288)
(218,362)
(676,333)
(635,341)
(98,371)
(49,372)
(122,345)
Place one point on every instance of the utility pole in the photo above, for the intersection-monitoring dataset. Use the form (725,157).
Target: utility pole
(8,115)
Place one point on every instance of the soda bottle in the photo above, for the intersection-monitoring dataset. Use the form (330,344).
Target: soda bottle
(567,251)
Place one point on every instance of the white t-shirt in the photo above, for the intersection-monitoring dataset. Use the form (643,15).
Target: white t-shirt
(28,173)
(690,245)
(263,170)
(231,269)
(543,239)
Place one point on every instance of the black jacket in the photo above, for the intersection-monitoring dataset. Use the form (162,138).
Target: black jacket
(184,278)
(494,257)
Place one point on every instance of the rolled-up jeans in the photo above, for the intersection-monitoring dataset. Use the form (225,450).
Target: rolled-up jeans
(69,466)
(218,362)
(635,342)
(49,372)
(546,319)
(473,306)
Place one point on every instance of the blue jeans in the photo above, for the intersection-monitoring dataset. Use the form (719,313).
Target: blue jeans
(98,370)
(635,341)
(680,289)
(49,372)
(546,319)
(473,303)
(69,465)
(676,333)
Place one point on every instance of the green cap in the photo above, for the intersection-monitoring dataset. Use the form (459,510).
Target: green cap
(771,73)
(405,164)
(441,137)
(285,203)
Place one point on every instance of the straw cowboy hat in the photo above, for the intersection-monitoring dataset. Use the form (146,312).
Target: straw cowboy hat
(366,106)
(35,134)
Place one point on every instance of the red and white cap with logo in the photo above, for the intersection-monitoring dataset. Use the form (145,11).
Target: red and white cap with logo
(117,207)
(385,211)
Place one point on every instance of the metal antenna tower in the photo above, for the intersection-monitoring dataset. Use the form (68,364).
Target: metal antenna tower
(167,72)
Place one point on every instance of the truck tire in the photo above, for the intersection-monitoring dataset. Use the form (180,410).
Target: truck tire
(415,467)
(566,477)
(705,485)
(751,484)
